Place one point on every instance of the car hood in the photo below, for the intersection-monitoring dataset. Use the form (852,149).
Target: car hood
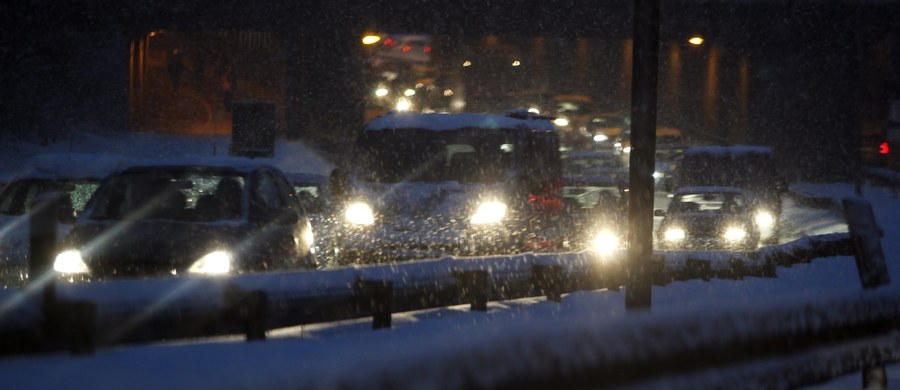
(430,201)
(706,221)
(148,248)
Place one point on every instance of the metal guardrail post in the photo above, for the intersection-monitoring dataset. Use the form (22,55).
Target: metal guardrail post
(81,317)
(377,295)
(247,308)
(70,323)
(473,288)
(548,279)
(698,269)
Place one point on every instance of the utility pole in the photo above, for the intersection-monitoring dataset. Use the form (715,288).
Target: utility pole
(643,149)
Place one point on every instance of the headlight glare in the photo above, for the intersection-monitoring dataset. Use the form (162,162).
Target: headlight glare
(70,262)
(489,212)
(604,241)
(359,213)
(213,263)
(735,234)
(764,219)
(674,234)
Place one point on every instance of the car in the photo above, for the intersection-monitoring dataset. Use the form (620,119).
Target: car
(428,185)
(596,212)
(313,193)
(193,217)
(74,176)
(706,218)
(603,165)
(748,167)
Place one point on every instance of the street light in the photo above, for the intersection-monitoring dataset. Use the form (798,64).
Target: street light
(370,39)
(696,40)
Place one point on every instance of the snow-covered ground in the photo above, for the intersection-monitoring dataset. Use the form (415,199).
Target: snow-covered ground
(421,344)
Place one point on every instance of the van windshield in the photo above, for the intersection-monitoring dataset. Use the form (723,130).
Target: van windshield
(465,155)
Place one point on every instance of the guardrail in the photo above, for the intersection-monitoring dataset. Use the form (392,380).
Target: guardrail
(80,316)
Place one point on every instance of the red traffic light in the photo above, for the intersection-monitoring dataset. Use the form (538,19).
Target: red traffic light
(884,148)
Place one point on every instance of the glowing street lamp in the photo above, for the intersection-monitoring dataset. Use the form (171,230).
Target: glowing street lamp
(696,40)
(370,39)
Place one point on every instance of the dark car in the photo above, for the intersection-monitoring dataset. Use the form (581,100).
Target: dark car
(708,218)
(212,217)
(426,185)
(748,167)
(74,177)
(595,213)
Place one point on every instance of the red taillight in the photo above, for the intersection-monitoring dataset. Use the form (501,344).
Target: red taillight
(884,148)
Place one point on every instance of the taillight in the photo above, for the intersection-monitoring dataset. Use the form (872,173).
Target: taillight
(884,148)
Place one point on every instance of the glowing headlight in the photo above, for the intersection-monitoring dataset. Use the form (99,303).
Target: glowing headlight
(735,234)
(605,241)
(359,213)
(626,149)
(600,137)
(70,262)
(764,219)
(658,175)
(674,234)
(561,122)
(489,212)
(213,263)
(308,238)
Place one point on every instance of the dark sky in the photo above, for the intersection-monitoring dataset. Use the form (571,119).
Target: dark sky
(807,56)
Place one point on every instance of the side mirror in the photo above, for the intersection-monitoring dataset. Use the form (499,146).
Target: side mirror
(659,213)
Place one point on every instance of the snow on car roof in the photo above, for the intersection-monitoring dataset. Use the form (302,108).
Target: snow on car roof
(706,189)
(735,149)
(70,166)
(443,122)
(237,163)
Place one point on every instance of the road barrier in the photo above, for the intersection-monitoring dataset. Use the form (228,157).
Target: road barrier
(129,311)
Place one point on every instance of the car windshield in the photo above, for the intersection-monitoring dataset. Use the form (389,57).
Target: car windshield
(467,155)
(175,196)
(723,202)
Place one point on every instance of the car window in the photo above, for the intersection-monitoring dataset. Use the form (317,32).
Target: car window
(265,196)
(181,196)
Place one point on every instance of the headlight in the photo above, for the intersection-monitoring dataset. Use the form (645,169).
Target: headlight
(735,234)
(674,234)
(489,212)
(213,263)
(600,137)
(70,262)
(561,122)
(605,241)
(658,175)
(359,213)
(764,219)
(626,149)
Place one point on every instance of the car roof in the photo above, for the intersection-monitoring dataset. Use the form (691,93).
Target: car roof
(445,122)
(69,166)
(224,163)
